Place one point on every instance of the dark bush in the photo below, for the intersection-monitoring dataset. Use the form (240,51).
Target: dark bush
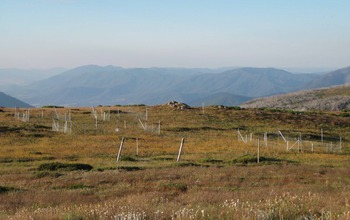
(211,160)
(246,159)
(5,189)
(345,114)
(67,167)
(131,168)
(127,158)
(52,106)
(235,108)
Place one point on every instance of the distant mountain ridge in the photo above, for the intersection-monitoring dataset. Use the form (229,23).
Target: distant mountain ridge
(12,76)
(11,102)
(326,99)
(94,85)
(337,77)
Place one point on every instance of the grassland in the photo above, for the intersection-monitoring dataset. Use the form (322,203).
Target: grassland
(55,175)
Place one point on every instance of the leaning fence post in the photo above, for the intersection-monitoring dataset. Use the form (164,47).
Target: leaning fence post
(258,151)
(180,149)
(120,149)
(137,146)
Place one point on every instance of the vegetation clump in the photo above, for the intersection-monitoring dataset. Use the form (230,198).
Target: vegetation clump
(174,186)
(127,158)
(66,167)
(5,189)
(247,159)
(130,168)
(211,160)
(52,106)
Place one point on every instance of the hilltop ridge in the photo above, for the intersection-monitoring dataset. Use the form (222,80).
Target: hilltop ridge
(326,99)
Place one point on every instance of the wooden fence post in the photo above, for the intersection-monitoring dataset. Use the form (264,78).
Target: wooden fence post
(180,149)
(120,149)
(258,150)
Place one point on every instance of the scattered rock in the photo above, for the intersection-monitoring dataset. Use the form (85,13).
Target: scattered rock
(178,105)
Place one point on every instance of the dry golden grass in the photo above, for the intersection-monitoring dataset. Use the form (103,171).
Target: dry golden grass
(217,178)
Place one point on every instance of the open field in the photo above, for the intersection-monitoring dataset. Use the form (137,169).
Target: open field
(46,174)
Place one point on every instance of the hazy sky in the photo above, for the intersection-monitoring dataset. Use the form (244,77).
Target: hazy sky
(174,33)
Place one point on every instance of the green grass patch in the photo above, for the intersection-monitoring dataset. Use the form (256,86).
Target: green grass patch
(248,159)
(127,158)
(6,160)
(162,158)
(64,166)
(187,164)
(211,160)
(130,168)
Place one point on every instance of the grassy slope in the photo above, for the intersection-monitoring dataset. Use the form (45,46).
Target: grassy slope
(217,178)
(326,99)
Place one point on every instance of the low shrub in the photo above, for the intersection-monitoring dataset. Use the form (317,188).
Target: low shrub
(52,106)
(127,158)
(173,186)
(62,166)
(211,160)
(130,168)
(187,164)
(5,189)
(235,107)
(246,159)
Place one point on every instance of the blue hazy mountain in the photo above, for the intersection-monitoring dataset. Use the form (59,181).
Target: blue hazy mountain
(109,85)
(337,77)
(11,102)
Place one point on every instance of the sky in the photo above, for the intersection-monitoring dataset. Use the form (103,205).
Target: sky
(175,33)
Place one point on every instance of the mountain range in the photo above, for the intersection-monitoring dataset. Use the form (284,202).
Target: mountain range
(93,85)
(11,102)
(10,77)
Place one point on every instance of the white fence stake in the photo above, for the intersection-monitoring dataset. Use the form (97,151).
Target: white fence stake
(120,149)
(258,150)
(96,121)
(158,127)
(137,146)
(282,136)
(180,150)
(240,135)
(144,128)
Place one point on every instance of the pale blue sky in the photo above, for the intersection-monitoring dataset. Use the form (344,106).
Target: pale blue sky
(174,33)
